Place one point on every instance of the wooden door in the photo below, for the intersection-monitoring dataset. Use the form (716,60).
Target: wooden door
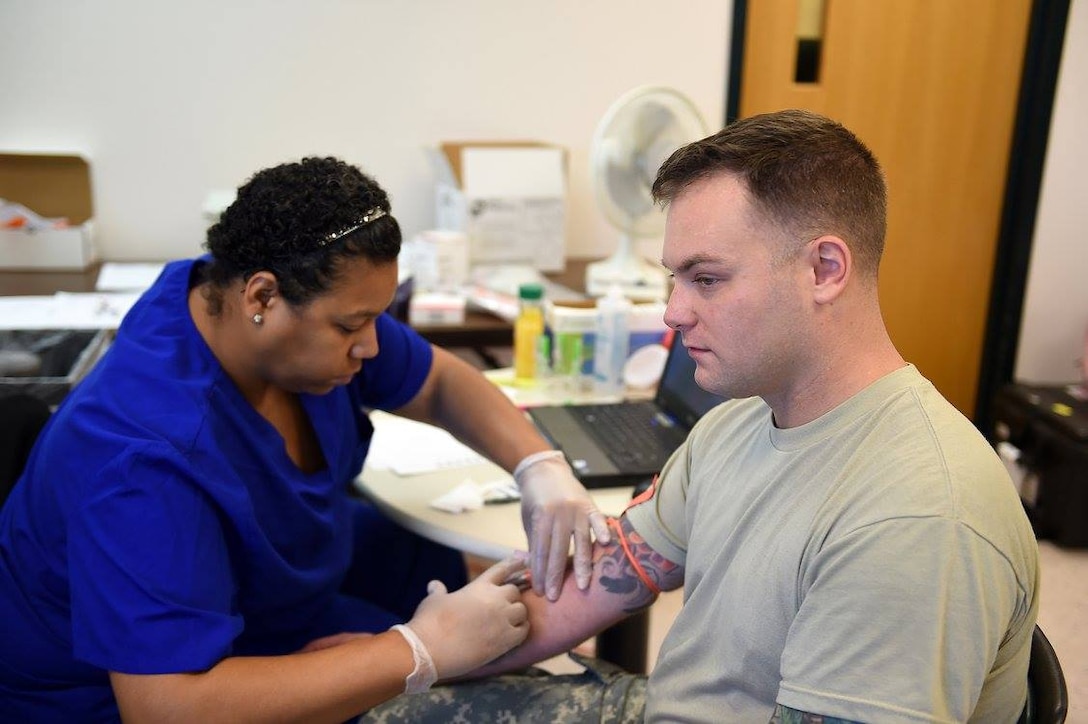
(931,87)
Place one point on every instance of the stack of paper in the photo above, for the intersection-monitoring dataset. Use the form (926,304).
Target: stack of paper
(432,448)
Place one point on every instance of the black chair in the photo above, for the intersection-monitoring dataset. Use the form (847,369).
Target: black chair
(22,417)
(1048,698)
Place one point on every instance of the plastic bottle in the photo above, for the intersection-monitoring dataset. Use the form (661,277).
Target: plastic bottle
(613,339)
(528,332)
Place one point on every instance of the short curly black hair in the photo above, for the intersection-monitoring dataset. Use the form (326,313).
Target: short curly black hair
(281,217)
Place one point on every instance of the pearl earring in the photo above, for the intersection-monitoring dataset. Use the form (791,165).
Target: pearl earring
(258,319)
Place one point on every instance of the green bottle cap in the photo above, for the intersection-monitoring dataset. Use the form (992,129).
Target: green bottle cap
(531,291)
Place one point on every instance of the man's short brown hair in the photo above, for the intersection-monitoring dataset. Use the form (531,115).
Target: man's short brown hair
(805,173)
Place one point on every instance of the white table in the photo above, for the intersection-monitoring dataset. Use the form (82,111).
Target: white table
(492,532)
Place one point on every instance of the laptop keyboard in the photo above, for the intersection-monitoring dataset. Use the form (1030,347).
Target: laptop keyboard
(629,434)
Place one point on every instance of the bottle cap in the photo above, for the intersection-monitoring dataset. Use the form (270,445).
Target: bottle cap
(531,291)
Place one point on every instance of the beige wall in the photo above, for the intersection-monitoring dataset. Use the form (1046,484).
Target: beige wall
(1056,305)
(170,100)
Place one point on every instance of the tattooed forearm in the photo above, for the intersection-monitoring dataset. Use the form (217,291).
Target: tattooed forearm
(785,715)
(619,574)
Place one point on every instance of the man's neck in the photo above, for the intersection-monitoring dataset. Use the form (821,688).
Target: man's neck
(836,374)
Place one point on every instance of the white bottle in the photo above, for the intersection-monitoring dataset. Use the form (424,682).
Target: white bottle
(613,339)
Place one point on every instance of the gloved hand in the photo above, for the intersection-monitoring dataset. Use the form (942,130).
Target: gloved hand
(555,506)
(464,630)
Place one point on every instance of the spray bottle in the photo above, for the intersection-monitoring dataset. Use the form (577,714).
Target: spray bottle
(613,339)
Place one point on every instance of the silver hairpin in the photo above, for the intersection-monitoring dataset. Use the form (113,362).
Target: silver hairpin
(376,213)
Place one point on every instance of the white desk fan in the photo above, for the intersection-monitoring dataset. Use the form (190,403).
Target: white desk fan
(635,136)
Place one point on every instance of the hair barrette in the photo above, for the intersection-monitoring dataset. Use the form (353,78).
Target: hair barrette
(376,213)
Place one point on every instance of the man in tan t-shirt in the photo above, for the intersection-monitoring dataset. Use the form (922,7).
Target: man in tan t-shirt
(850,547)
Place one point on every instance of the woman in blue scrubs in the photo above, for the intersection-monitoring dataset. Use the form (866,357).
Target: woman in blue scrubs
(183,544)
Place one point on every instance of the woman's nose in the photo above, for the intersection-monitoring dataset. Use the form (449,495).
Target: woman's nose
(367,345)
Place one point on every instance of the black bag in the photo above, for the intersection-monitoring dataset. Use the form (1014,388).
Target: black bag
(1049,426)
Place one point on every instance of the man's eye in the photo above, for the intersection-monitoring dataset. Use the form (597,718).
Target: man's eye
(705,281)
(346,329)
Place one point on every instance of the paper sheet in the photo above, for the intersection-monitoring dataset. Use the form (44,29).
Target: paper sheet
(66,310)
(470,495)
(408,447)
(116,277)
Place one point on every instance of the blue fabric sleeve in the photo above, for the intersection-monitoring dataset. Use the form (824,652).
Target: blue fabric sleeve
(396,375)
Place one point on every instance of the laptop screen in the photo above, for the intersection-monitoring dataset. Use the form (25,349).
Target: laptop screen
(677,393)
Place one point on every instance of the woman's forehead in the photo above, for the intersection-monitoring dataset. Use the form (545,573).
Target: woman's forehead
(360,286)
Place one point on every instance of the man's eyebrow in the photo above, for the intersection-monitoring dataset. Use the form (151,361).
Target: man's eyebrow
(691,261)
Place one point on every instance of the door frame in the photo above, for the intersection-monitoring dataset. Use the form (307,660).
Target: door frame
(1027,157)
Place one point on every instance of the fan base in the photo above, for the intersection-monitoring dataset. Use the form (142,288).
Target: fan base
(640,280)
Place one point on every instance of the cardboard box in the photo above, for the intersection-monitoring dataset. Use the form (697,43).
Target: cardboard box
(508,196)
(437,259)
(436,308)
(52,186)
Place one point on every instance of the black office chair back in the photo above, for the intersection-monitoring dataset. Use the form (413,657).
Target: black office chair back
(1048,698)
(22,417)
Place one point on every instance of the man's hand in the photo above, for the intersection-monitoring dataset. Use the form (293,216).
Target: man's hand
(466,629)
(554,507)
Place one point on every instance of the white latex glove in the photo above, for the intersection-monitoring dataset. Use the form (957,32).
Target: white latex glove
(466,629)
(554,507)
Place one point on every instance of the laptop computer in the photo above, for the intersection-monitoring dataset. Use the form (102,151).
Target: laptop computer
(626,443)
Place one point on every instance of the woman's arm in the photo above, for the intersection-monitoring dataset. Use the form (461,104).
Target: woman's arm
(456,632)
(457,397)
(332,685)
(555,505)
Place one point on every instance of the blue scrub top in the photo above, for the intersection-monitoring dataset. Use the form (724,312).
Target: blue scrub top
(160,526)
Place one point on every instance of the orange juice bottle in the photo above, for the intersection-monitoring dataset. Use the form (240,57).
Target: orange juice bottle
(528,331)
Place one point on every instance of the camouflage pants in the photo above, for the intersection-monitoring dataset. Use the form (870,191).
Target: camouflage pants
(602,693)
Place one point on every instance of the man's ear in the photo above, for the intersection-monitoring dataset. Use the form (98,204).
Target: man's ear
(832,266)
